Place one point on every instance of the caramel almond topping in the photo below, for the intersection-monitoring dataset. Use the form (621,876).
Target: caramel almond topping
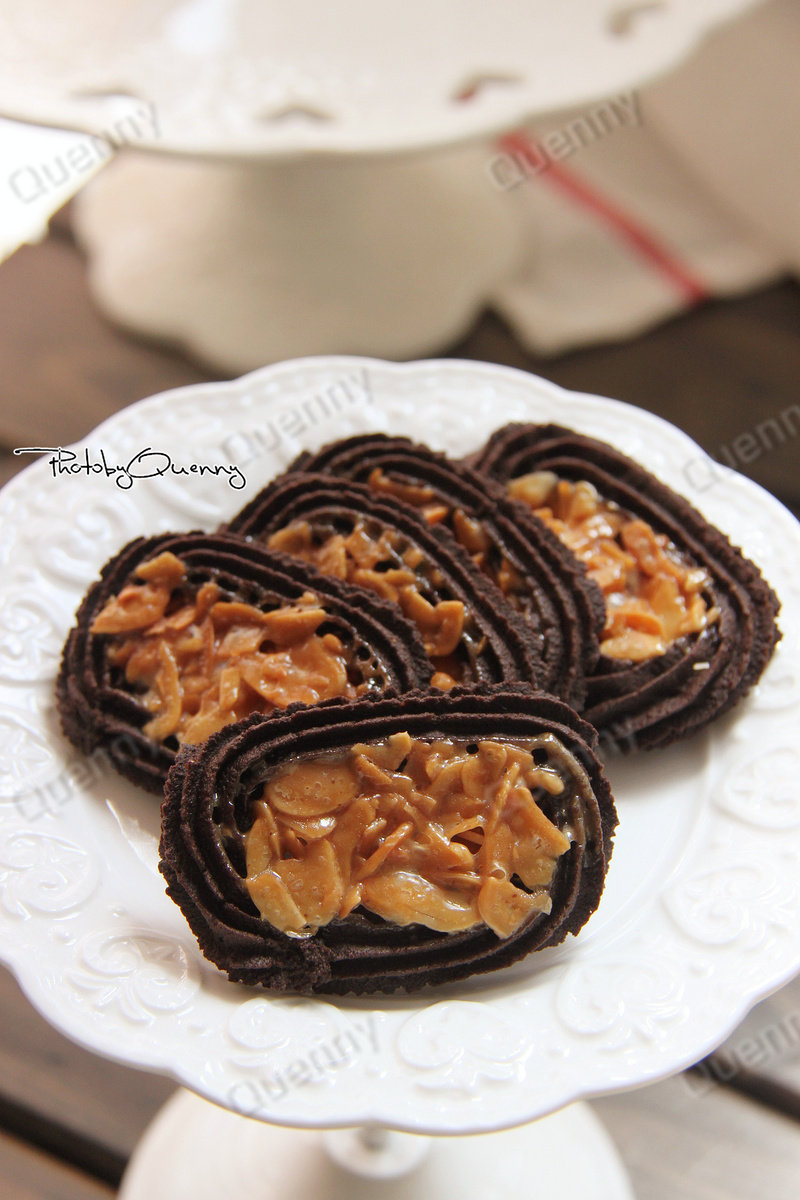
(447,833)
(205,662)
(467,531)
(377,563)
(135,607)
(653,593)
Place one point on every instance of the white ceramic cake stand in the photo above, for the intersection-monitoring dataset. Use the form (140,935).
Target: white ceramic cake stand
(699,920)
(197,1151)
(254,213)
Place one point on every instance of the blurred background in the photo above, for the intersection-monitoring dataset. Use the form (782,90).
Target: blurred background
(616,209)
(643,243)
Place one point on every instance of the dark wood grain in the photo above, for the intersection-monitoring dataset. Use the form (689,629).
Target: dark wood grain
(718,1146)
(44,1073)
(27,1174)
(762,1058)
(65,368)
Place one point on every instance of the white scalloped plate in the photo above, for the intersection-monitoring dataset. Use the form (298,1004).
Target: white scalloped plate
(247,77)
(701,916)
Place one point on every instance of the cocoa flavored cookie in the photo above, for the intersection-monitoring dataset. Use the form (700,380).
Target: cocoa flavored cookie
(471,633)
(521,556)
(390,843)
(184,633)
(690,622)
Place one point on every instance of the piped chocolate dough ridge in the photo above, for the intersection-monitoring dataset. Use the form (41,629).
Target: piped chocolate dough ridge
(183,633)
(479,823)
(690,622)
(470,632)
(521,556)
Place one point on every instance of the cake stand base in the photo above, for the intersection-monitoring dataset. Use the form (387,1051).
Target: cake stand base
(247,263)
(194,1150)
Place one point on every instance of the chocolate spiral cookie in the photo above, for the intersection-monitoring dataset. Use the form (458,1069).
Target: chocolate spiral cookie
(185,633)
(690,622)
(528,564)
(388,843)
(470,632)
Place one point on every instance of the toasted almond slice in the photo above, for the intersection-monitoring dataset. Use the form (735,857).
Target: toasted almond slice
(470,828)
(508,782)
(448,776)
(206,598)
(643,543)
(389,755)
(404,897)
(414,494)
(136,607)
(283,626)
(314,882)
(349,829)
(352,899)
(469,532)
(371,772)
(332,558)
(305,672)
(309,828)
(441,854)
(635,616)
(263,841)
(493,756)
(435,514)
(534,488)
(165,569)
(179,620)
(311,789)
(209,719)
(541,777)
(633,646)
(504,907)
(583,502)
(274,901)
(241,640)
(532,862)
(441,625)
(294,539)
(375,581)
(168,686)
(142,661)
(497,852)
(507,577)
(370,837)
(230,685)
(525,818)
(386,848)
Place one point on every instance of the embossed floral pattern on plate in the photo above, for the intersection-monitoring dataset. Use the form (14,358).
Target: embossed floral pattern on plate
(701,915)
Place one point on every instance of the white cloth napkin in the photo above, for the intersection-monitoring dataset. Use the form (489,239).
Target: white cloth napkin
(638,208)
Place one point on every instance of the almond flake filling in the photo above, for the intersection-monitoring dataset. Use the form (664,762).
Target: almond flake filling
(467,531)
(388,565)
(203,662)
(653,592)
(447,834)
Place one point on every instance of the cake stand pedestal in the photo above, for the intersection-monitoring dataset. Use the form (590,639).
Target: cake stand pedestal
(195,1150)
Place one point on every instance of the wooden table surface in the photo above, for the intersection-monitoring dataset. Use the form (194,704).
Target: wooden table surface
(727,373)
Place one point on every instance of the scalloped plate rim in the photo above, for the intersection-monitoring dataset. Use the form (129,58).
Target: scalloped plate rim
(46,1001)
